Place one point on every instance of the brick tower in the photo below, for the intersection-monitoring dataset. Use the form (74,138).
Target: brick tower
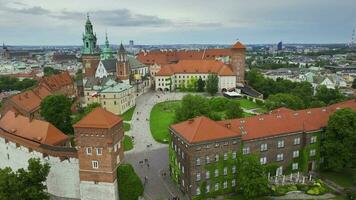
(237,61)
(99,137)
(122,64)
(90,51)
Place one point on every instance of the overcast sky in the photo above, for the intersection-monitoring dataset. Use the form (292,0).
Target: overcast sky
(61,22)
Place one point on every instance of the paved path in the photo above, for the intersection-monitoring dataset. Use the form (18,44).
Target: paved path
(302,195)
(145,147)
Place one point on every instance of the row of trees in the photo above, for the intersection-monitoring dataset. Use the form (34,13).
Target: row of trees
(199,85)
(294,95)
(8,83)
(216,108)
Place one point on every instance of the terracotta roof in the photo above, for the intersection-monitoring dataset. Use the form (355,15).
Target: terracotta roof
(42,91)
(98,118)
(278,122)
(27,100)
(172,56)
(238,45)
(57,81)
(35,130)
(202,129)
(196,66)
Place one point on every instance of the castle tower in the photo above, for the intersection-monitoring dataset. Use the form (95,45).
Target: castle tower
(107,52)
(99,137)
(237,61)
(90,51)
(122,64)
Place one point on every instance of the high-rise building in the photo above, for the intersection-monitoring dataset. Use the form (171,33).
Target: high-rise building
(279,46)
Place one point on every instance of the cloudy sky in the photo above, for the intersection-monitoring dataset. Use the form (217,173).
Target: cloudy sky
(61,22)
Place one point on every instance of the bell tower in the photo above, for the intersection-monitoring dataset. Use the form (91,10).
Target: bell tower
(99,137)
(122,65)
(90,51)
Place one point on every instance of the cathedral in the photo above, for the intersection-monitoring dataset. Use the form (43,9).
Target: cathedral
(103,62)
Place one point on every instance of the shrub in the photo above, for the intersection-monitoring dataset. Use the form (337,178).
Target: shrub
(319,188)
(130,185)
(282,190)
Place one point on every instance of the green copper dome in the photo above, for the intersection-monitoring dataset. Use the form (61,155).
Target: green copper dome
(107,52)
(89,40)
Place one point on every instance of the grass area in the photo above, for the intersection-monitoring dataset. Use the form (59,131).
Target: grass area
(343,178)
(247,114)
(244,103)
(161,116)
(127,126)
(128,144)
(127,116)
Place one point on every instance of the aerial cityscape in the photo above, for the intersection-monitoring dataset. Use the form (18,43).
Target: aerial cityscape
(133,100)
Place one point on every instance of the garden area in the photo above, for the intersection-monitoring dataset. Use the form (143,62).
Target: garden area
(344,178)
(128,143)
(129,183)
(127,116)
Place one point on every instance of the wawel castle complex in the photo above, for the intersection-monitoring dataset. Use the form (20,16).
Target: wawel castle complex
(203,153)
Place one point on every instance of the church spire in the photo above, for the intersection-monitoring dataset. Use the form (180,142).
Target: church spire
(89,39)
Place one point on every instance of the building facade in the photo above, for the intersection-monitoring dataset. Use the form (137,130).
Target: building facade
(203,153)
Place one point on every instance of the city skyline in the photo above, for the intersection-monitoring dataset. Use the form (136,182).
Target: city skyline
(41,22)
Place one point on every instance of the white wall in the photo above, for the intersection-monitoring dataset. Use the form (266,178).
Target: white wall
(227,82)
(100,191)
(63,179)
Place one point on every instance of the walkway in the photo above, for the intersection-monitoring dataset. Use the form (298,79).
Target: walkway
(145,147)
(302,195)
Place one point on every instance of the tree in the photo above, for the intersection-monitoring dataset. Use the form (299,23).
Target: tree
(339,141)
(354,83)
(130,185)
(200,85)
(192,84)
(218,104)
(233,110)
(251,178)
(25,184)
(327,95)
(8,83)
(212,84)
(56,109)
(49,71)
(192,106)
(284,100)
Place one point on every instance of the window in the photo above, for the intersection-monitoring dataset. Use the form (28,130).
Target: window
(233,169)
(216,158)
(88,150)
(207,188)
(225,184)
(294,166)
(182,169)
(296,140)
(207,174)
(225,171)
(233,183)
(182,154)
(280,144)
(217,145)
(216,187)
(216,173)
(198,161)
(198,176)
(246,150)
(312,139)
(264,147)
(280,157)
(99,151)
(207,159)
(263,160)
(225,156)
(198,191)
(95,164)
(312,152)
(296,154)
(234,155)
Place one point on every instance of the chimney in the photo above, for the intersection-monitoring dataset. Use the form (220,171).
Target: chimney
(228,125)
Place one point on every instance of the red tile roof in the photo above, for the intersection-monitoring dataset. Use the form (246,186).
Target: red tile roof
(278,122)
(238,45)
(57,81)
(35,130)
(98,118)
(196,66)
(202,129)
(27,100)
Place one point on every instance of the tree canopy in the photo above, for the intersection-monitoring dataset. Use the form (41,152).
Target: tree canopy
(25,184)
(354,83)
(130,185)
(233,110)
(212,84)
(251,178)
(200,85)
(339,141)
(284,100)
(56,109)
(49,71)
(8,83)
(327,95)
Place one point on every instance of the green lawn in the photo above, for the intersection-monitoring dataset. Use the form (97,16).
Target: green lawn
(127,116)
(161,116)
(128,144)
(127,126)
(343,178)
(247,104)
